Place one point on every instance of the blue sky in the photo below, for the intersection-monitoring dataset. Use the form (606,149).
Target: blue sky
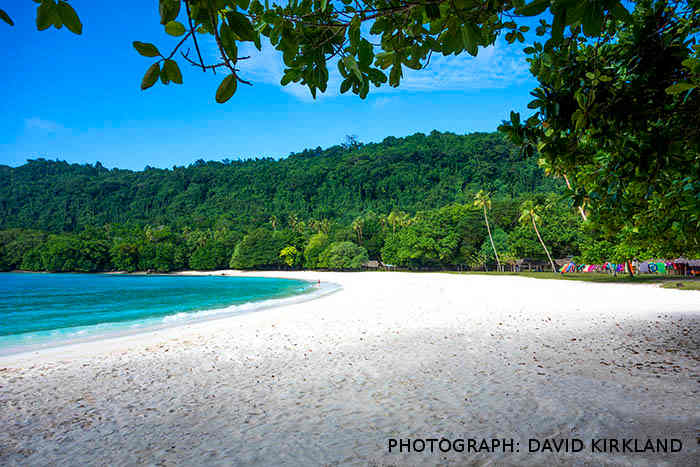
(77,98)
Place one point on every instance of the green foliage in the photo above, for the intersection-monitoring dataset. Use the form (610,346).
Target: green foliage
(6,18)
(500,239)
(415,173)
(408,202)
(630,149)
(226,89)
(259,249)
(437,238)
(125,257)
(291,256)
(343,255)
(317,243)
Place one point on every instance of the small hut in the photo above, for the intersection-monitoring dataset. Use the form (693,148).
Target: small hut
(688,267)
(531,264)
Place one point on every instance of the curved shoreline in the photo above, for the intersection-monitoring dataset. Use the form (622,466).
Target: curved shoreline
(390,356)
(53,347)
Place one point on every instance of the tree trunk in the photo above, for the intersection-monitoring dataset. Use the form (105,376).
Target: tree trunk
(498,262)
(580,208)
(554,269)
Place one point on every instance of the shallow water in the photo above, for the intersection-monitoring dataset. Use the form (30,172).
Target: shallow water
(45,309)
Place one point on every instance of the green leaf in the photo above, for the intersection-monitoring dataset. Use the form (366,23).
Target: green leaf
(286,78)
(470,38)
(354,31)
(172,71)
(366,53)
(558,24)
(515,118)
(534,8)
(241,26)
(324,3)
(44,15)
(70,18)
(168,9)
(395,75)
(679,88)
(592,21)
(226,89)
(151,76)
(432,11)
(228,41)
(146,49)
(619,12)
(6,18)
(175,28)
(351,64)
(345,85)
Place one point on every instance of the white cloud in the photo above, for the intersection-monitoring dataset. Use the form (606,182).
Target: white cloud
(46,126)
(496,67)
(381,102)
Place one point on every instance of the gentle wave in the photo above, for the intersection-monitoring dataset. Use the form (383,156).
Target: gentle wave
(28,342)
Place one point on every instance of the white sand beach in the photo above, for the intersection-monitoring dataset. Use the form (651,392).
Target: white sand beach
(391,355)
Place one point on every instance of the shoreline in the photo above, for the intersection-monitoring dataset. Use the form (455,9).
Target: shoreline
(393,355)
(115,338)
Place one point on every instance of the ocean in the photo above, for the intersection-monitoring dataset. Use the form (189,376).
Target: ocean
(43,310)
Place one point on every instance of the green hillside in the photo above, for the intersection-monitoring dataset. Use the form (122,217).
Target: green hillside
(405,201)
(339,183)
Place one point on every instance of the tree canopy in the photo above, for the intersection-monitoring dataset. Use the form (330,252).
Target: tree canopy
(619,119)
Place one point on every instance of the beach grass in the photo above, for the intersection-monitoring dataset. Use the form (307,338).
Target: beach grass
(669,282)
(682,285)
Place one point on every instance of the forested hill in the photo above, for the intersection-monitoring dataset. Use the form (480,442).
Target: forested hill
(413,173)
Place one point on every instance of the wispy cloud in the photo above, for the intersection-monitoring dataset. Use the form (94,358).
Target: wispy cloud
(42,125)
(381,102)
(496,67)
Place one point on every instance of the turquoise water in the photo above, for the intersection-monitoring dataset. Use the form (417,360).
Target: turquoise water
(46,309)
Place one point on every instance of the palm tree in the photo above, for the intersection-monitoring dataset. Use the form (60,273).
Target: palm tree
(293,221)
(549,170)
(529,212)
(357,227)
(397,219)
(482,200)
(273,222)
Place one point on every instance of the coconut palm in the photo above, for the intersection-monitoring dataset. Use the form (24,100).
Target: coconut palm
(293,221)
(357,225)
(397,219)
(273,222)
(324,226)
(551,171)
(529,212)
(482,200)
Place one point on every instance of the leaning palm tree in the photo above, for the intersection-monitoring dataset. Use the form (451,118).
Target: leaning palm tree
(482,200)
(551,171)
(529,212)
